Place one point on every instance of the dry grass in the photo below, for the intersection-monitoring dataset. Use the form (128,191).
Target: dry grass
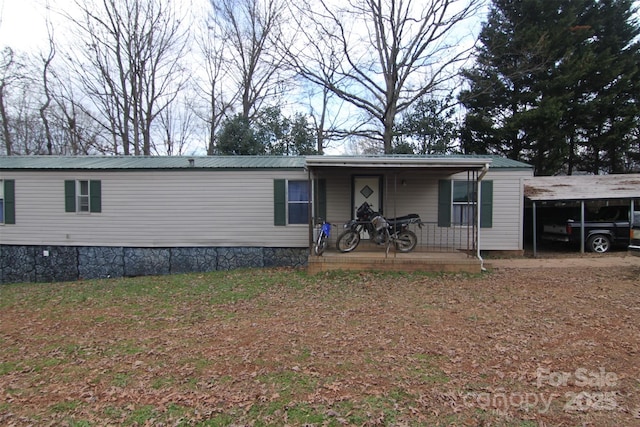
(278,347)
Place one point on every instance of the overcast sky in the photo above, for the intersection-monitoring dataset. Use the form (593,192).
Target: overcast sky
(22,23)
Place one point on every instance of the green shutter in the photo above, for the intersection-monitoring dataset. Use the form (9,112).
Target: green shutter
(9,201)
(321,199)
(279,202)
(95,194)
(444,203)
(70,196)
(486,204)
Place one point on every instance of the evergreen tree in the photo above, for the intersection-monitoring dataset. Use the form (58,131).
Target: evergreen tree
(237,137)
(555,84)
(428,128)
(269,133)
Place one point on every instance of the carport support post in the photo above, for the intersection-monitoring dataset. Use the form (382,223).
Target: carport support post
(582,226)
(535,232)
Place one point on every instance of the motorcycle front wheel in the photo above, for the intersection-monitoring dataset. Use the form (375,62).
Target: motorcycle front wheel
(348,241)
(406,241)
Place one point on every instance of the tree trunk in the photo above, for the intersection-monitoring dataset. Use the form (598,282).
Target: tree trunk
(6,134)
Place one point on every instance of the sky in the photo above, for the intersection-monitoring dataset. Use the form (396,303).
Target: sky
(22,23)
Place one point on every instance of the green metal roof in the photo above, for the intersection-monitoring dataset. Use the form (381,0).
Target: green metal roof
(222,162)
(151,162)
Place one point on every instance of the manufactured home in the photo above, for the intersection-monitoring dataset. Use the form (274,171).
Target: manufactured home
(64,218)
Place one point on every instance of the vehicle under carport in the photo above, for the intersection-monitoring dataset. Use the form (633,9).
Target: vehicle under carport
(558,195)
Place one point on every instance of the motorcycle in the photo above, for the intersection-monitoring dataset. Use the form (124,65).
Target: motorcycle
(322,239)
(381,230)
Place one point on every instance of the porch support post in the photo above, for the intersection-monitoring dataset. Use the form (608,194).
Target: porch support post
(311,207)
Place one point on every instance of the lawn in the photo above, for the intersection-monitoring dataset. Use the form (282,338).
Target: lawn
(279,347)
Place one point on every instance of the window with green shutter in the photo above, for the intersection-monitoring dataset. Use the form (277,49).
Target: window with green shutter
(290,202)
(84,196)
(457,202)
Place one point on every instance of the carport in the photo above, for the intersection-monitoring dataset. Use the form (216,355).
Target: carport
(582,188)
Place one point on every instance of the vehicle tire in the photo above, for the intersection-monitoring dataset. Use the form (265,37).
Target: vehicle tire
(406,241)
(321,244)
(348,241)
(599,243)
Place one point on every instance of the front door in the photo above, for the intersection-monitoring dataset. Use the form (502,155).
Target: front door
(367,189)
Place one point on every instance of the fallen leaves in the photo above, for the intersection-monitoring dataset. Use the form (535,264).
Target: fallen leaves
(347,349)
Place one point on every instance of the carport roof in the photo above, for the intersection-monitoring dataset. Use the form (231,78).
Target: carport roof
(582,187)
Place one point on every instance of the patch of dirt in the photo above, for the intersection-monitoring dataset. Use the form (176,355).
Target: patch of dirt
(516,346)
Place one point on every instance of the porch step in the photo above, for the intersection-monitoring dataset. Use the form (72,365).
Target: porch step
(394,261)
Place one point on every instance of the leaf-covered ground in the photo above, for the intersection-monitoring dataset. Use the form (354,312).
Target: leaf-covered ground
(511,347)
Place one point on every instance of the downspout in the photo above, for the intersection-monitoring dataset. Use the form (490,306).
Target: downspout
(483,172)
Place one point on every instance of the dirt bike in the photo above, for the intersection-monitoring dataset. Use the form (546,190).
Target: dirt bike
(381,230)
(322,239)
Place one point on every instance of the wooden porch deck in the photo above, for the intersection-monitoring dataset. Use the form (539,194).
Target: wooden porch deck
(376,259)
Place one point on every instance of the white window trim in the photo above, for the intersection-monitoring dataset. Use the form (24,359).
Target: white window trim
(79,196)
(472,204)
(287,203)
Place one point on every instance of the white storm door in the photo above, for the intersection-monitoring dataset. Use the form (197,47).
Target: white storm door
(366,189)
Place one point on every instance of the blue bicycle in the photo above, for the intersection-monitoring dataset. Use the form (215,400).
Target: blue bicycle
(322,239)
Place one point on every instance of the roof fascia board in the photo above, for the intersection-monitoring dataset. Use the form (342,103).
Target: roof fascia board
(355,162)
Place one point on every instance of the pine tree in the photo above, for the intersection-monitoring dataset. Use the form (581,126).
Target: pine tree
(555,85)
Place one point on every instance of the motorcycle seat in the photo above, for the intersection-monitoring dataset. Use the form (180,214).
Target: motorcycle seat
(403,219)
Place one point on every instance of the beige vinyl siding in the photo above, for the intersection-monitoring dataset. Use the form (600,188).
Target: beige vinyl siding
(155,209)
(338,196)
(508,210)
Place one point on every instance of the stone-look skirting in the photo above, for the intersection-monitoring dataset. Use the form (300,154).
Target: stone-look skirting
(66,263)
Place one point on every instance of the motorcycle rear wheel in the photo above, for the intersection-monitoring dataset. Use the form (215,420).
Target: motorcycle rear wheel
(348,241)
(406,241)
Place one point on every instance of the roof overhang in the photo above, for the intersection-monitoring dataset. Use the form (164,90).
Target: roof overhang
(583,187)
(450,164)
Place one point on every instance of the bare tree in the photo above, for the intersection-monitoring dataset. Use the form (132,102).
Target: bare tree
(177,127)
(381,55)
(217,97)
(47,61)
(129,64)
(10,74)
(251,29)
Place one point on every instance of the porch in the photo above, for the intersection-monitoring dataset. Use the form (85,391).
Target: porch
(370,257)
(448,234)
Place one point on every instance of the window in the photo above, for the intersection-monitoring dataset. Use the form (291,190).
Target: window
(291,202)
(83,196)
(464,201)
(82,190)
(298,202)
(457,203)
